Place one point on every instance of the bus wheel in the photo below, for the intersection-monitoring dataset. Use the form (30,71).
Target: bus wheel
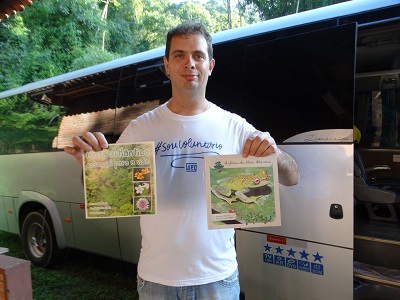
(38,239)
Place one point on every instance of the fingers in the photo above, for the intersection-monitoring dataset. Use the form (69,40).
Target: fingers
(101,140)
(89,141)
(259,144)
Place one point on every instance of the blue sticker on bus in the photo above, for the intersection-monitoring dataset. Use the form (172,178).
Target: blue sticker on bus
(293,259)
(317,269)
(268,258)
(304,265)
(291,263)
(279,260)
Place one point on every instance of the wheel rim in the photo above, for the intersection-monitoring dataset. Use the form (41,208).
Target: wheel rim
(37,240)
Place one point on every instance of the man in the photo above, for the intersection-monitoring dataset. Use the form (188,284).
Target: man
(180,258)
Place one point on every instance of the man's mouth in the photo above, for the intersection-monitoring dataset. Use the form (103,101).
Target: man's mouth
(189,77)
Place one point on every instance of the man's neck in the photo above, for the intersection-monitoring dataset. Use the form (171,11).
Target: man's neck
(188,107)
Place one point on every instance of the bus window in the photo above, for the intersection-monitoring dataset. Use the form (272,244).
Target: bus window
(379,117)
(28,126)
(301,83)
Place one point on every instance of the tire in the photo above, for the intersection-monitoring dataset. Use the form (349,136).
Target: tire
(38,240)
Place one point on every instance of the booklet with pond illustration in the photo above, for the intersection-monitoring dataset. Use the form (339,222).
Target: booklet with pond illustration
(242,192)
(120,181)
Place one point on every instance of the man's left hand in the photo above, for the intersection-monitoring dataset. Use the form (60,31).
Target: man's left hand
(259,144)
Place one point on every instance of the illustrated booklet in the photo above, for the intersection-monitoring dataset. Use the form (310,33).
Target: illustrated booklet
(242,192)
(120,181)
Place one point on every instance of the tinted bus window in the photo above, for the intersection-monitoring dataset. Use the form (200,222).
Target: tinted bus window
(311,91)
(378,117)
(27,126)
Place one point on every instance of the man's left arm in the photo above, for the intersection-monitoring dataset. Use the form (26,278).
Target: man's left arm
(288,169)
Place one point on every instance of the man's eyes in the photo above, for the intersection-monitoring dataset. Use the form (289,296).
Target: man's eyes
(195,56)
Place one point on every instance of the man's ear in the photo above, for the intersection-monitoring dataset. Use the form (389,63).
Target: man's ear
(212,65)
(166,65)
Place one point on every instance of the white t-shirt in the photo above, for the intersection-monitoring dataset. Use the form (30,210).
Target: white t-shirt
(177,247)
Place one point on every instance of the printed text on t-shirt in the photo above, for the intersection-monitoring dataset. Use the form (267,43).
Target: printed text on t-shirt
(183,144)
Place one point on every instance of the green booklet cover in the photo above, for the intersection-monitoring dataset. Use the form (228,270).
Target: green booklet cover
(242,192)
(120,181)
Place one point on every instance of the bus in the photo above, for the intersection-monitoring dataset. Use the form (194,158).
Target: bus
(325,83)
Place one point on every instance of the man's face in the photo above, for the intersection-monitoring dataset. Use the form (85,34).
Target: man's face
(189,65)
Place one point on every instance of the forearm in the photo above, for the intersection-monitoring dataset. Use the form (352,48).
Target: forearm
(287,168)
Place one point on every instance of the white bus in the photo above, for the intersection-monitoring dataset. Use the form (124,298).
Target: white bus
(317,74)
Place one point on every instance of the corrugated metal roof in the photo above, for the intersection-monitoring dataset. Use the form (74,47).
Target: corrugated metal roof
(11,7)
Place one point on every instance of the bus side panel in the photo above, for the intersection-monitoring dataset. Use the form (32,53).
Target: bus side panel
(3,220)
(64,210)
(130,238)
(311,254)
(266,273)
(326,179)
(11,214)
(95,235)
(53,174)
(8,218)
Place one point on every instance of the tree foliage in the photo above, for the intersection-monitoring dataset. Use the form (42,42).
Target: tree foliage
(270,9)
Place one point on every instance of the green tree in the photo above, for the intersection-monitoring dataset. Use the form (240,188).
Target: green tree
(194,11)
(152,20)
(13,44)
(270,9)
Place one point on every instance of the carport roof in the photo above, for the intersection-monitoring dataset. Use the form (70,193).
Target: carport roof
(11,7)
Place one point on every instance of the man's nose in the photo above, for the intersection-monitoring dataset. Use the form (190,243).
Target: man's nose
(189,63)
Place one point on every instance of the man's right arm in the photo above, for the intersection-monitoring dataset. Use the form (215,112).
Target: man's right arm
(89,141)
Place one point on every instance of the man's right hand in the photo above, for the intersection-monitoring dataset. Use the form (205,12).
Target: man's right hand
(89,141)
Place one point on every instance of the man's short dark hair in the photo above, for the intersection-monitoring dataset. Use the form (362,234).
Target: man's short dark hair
(188,28)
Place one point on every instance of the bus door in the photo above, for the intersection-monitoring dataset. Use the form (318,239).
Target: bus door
(300,88)
(377,107)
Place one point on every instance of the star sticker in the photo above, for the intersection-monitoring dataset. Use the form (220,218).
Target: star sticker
(291,252)
(317,257)
(267,248)
(279,250)
(304,254)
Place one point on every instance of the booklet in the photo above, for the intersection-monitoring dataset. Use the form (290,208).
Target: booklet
(242,192)
(120,181)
